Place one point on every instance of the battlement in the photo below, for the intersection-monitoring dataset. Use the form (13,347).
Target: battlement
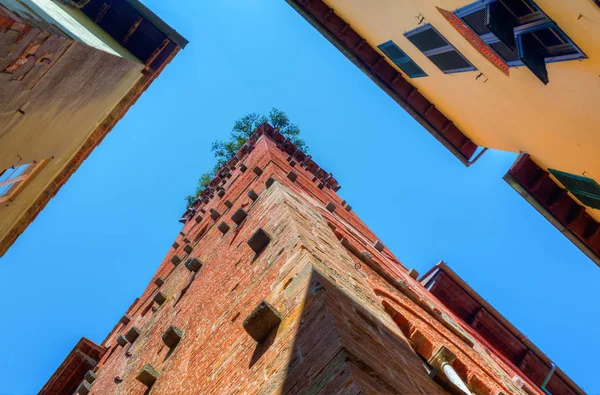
(284,144)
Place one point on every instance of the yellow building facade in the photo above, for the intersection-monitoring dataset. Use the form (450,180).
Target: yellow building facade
(515,75)
(69,70)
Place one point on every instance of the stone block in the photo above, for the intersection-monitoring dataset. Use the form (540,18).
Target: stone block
(221,193)
(172,336)
(121,341)
(90,376)
(292,176)
(252,195)
(243,168)
(330,207)
(214,214)
(378,246)
(84,388)
(188,248)
(239,216)
(223,227)
(175,260)
(261,321)
(269,182)
(259,240)
(175,245)
(413,273)
(440,357)
(193,264)
(198,219)
(125,319)
(147,375)
(132,334)
(228,204)
(257,170)
(160,298)
(159,281)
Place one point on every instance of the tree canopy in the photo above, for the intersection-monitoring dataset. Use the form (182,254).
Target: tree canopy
(241,131)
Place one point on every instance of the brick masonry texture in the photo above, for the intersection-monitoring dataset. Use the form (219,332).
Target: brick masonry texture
(29,48)
(352,319)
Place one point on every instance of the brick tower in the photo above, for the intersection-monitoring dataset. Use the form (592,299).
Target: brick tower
(274,285)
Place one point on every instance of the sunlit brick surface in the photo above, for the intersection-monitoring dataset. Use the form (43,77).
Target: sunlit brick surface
(352,319)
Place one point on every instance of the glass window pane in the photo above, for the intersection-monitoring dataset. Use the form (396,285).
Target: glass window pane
(427,40)
(449,61)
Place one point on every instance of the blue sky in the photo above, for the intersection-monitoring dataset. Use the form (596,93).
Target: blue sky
(95,247)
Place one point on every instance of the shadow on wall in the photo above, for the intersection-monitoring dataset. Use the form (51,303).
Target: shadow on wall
(340,346)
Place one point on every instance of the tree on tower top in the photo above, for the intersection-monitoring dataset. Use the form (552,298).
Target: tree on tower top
(241,131)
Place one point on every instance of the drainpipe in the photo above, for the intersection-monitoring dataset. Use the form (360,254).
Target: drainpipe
(543,387)
(477,156)
(442,362)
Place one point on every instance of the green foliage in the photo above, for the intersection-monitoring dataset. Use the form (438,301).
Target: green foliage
(242,130)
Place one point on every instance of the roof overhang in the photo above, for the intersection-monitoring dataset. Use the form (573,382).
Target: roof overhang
(489,321)
(142,11)
(556,205)
(84,357)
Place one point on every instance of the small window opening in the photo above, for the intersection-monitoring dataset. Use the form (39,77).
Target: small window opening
(520,33)
(400,59)
(439,50)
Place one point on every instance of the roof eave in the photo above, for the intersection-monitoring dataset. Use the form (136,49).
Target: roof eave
(381,83)
(442,266)
(161,25)
(517,186)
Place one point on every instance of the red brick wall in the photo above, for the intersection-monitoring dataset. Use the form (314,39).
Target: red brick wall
(352,319)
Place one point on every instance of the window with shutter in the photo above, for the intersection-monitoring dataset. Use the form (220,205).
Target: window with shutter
(583,188)
(439,50)
(400,59)
(520,33)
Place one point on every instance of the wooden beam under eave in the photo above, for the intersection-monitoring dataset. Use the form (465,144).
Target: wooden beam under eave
(477,317)
(523,362)
(157,52)
(132,30)
(105,7)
